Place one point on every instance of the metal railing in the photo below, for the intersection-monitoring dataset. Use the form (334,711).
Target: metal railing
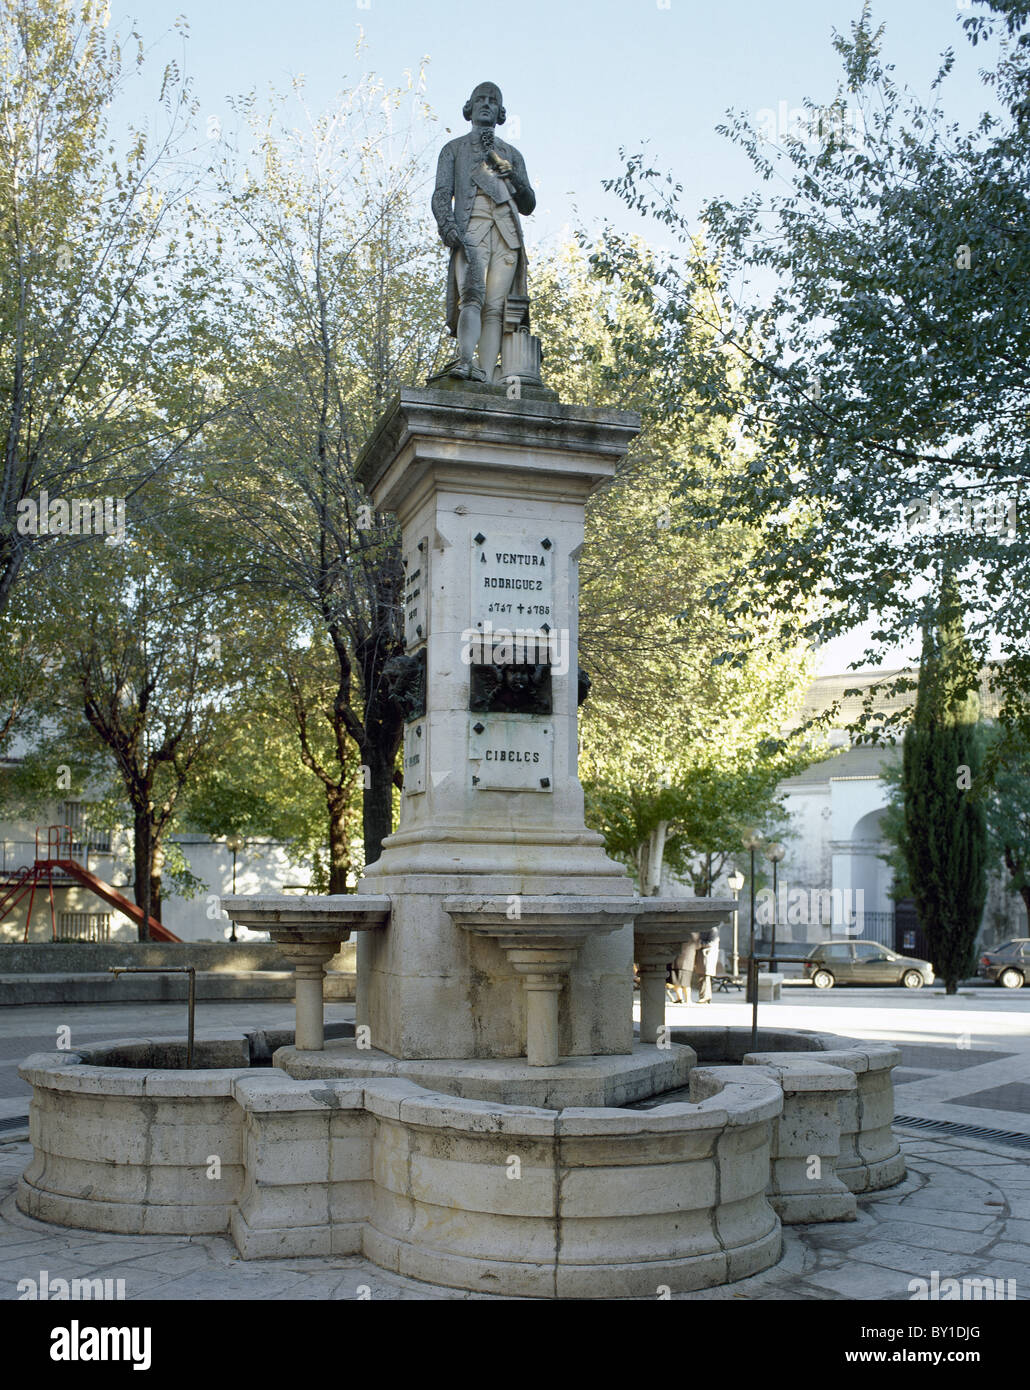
(84,926)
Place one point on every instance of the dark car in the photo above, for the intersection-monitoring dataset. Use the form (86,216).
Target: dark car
(864,963)
(1007,964)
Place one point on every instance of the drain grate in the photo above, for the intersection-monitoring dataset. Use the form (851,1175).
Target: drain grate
(996,1136)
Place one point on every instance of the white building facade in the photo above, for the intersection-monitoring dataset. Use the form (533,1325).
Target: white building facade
(835,844)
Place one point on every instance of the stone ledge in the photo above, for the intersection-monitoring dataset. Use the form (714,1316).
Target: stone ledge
(102,988)
(612,1080)
(803,1076)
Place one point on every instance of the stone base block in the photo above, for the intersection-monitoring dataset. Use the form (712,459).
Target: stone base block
(121,1218)
(576,1081)
(280,1242)
(797,1209)
(873,1177)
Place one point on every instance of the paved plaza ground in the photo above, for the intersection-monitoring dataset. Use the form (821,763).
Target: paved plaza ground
(962,1212)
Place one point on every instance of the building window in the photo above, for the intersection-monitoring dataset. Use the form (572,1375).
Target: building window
(73,814)
(84,926)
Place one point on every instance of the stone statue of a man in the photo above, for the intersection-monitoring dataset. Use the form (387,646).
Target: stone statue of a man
(481,187)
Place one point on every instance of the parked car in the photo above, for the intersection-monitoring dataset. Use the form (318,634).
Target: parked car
(1007,964)
(864,963)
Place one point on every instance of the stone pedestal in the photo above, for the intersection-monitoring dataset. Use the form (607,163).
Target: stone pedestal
(520,357)
(490,496)
(770,985)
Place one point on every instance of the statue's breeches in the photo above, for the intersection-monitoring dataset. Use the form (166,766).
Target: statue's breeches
(486,279)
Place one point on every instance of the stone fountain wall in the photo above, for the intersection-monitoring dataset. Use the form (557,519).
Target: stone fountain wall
(522,1200)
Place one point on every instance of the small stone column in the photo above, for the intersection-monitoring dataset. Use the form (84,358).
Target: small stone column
(542,943)
(660,928)
(652,961)
(309,961)
(543,969)
(308,932)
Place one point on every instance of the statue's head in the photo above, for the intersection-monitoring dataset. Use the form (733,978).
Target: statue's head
(485,106)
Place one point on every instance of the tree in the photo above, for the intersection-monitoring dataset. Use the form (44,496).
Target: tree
(341,303)
(139,687)
(694,829)
(944,840)
(886,399)
(258,786)
(286,751)
(681,749)
(105,285)
(1006,794)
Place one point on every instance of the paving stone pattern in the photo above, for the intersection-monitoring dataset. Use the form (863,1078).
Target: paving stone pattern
(963,1210)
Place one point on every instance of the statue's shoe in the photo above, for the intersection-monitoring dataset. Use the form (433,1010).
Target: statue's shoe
(460,368)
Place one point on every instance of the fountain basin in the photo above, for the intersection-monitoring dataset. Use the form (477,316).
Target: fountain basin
(576,1081)
(579,1203)
(870,1157)
(682,1188)
(124,1137)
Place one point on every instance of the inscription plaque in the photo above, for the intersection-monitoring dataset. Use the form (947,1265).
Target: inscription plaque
(416,594)
(511,753)
(415,736)
(512,582)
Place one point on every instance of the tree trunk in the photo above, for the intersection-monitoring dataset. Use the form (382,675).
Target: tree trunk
(146,885)
(141,869)
(655,856)
(337,801)
(377,801)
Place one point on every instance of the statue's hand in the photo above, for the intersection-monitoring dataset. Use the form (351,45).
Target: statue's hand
(501,166)
(452,237)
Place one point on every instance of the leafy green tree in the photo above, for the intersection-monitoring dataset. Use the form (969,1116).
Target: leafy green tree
(139,686)
(681,749)
(284,769)
(340,304)
(106,288)
(1006,795)
(944,840)
(694,829)
(883,398)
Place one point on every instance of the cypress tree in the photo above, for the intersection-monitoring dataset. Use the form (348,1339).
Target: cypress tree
(944,839)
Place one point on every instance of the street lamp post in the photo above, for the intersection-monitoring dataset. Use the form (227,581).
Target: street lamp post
(752,842)
(736,883)
(235,844)
(774,852)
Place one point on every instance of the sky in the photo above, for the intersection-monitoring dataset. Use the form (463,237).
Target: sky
(581,78)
